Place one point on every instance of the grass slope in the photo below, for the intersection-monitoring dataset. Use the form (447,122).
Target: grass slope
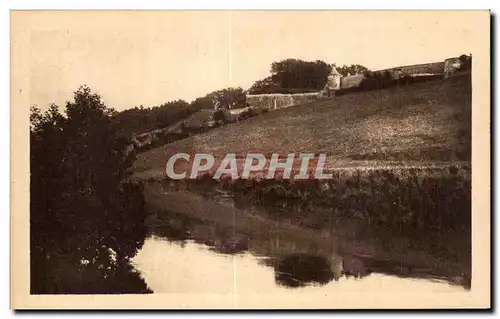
(424,123)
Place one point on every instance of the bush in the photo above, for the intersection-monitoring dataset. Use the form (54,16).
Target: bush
(220,116)
(376,80)
(247,114)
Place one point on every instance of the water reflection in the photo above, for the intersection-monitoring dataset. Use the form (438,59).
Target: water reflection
(190,267)
(302,269)
(205,233)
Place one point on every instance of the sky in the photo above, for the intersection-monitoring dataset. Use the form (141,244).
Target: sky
(147,58)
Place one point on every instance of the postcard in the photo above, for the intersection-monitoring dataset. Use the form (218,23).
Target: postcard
(250,159)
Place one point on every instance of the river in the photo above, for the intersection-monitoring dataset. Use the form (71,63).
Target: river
(199,245)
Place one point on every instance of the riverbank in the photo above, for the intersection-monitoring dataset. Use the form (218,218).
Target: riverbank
(415,199)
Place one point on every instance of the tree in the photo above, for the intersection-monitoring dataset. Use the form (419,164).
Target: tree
(465,62)
(200,103)
(230,98)
(171,112)
(295,73)
(263,86)
(352,69)
(84,221)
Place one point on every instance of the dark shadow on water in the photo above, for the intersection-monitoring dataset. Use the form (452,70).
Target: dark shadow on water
(303,269)
(300,270)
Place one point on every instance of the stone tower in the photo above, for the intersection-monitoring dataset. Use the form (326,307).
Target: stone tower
(332,83)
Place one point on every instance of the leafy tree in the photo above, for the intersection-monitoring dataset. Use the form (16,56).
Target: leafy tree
(200,103)
(296,73)
(262,85)
(465,62)
(230,98)
(171,112)
(84,221)
(293,76)
(352,69)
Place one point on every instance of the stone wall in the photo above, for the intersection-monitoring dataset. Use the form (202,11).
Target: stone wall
(416,69)
(351,81)
(279,101)
(397,72)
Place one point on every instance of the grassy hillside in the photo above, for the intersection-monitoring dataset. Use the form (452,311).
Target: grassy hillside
(424,123)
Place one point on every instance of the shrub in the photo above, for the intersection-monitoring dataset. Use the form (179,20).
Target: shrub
(220,116)
(250,112)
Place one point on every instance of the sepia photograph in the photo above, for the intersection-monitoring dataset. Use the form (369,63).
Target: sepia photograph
(250,159)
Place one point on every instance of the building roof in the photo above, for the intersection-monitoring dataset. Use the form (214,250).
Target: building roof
(334,71)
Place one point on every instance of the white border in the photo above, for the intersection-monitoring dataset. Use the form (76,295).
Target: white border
(147,4)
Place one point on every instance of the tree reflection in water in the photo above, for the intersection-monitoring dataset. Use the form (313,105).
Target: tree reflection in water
(299,270)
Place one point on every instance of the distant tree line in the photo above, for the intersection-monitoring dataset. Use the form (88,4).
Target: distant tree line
(141,120)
